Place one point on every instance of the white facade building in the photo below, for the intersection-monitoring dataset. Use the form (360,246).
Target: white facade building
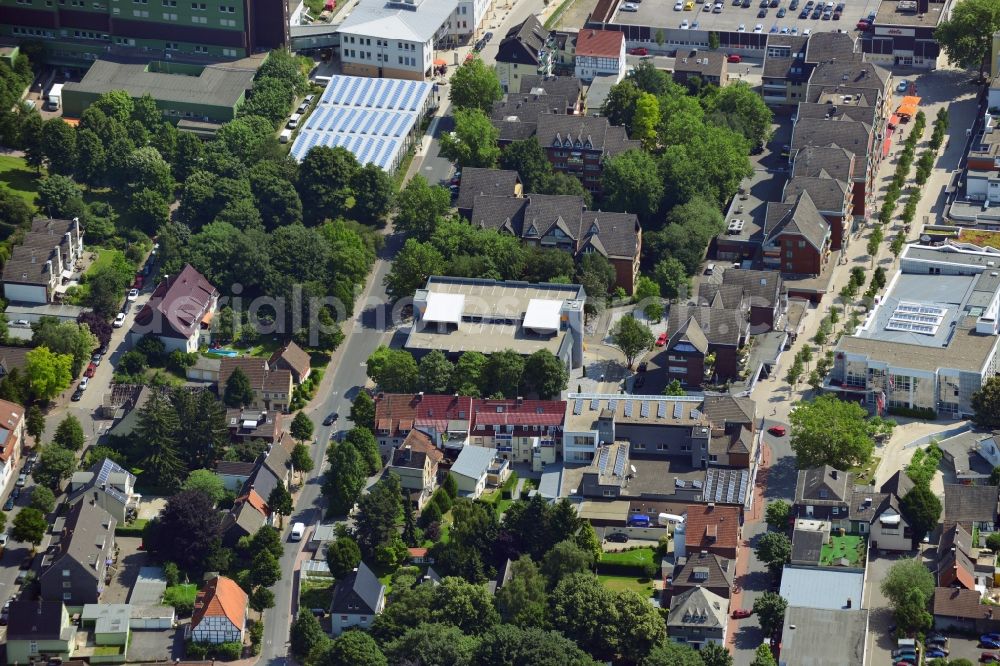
(467,21)
(600,53)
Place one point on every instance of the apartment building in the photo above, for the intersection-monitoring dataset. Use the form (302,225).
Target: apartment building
(42,264)
(526,49)
(74,33)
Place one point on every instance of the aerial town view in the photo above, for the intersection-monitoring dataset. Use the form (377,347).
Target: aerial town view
(500,332)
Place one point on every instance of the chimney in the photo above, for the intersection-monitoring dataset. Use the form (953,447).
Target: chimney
(834,474)
(420,396)
(711,506)
(849,602)
(520,400)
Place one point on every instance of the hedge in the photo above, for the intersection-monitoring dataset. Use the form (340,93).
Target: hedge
(914,412)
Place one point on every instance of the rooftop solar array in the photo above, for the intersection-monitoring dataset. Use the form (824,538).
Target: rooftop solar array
(728,486)
(602,462)
(661,410)
(620,463)
(644,410)
(369,117)
(578,407)
(628,408)
(916,318)
(109,467)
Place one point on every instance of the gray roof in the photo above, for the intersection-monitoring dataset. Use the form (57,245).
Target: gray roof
(827,194)
(219,84)
(234,467)
(37,620)
(359,585)
(476,181)
(27,261)
(822,486)
(837,110)
(702,63)
(148,587)
(722,296)
(807,545)
(848,134)
(526,107)
(763,287)
(822,587)
(522,43)
(603,136)
(88,530)
(107,618)
(597,93)
(825,46)
(698,608)
(473,461)
(822,637)
(853,72)
(898,484)
(721,327)
(726,408)
(392,20)
(833,161)
(966,504)
(516,130)
(691,333)
(704,569)
(801,217)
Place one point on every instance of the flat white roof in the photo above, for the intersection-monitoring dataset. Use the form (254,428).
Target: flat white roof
(444,308)
(542,314)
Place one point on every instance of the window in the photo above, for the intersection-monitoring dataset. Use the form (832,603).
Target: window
(67,584)
(169,17)
(65,573)
(822,493)
(67,596)
(170,46)
(836,510)
(802,243)
(200,49)
(789,254)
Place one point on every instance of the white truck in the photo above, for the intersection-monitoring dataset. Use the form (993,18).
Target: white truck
(54,102)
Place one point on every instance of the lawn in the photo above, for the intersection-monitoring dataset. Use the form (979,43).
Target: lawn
(866,474)
(639,557)
(980,237)
(641,586)
(19,177)
(316,592)
(849,546)
(183,594)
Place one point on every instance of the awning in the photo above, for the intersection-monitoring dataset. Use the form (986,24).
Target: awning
(440,62)
(543,314)
(907,110)
(911,99)
(893,120)
(886,145)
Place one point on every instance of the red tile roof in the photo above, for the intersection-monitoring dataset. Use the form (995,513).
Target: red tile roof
(953,602)
(418,441)
(255,500)
(220,597)
(708,527)
(512,412)
(11,415)
(181,301)
(600,43)
(401,411)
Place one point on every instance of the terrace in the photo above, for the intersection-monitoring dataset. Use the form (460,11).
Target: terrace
(847,550)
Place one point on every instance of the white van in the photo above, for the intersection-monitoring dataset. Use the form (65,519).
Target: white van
(286,136)
(298,530)
(293,122)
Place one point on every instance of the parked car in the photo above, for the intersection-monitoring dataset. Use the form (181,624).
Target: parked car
(22,323)
(90,371)
(618,537)
(139,281)
(642,50)
(734,58)
(630,7)
(133,294)
(5,613)
(84,383)
(990,643)
(662,339)
(989,658)
(761,14)
(777,430)
(119,320)
(9,504)
(936,653)
(331,419)
(741,613)
(781,13)
(991,636)
(96,358)
(758,29)
(77,394)
(22,479)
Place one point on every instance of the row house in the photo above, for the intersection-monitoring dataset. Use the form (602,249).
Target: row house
(525,431)
(41,265)
(527,49)
(416,464)
(797,238)
(443,418)
(697,331)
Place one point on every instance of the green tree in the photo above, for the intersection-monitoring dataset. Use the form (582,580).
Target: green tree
(265,569)
(279,501)
(777,514)
(90,164)
(565,558)
(906,575)
(993,542)
(741,109)
(763,656)
(65,338)
(584,611)
(714,654)
(35,423)
(527,158)
(47,374)
(669,653)
(301,458)
(269,98)
(343,556)
(911,613)
(672,278)
(523,601)
(42,499)
(922,509)
(769,608)
(435,372)
(306,634)
(502,373)
(155,442)
(674,388)
(632,337)
(261,599)
(401,375)
(378,511)
(373,193)
(363,411)
(450,486)
(55,465)
(29,526)
(468,374)
(414,263)
(631,183)
(149,171)
(238,392)
(69,434)
(344,480)
(986,404)
(475,85)
(353,647)
(419,207)
(324,182)
(473,141)
(828,431)
(432,643)
(302,427)
(774,549)
(967,34)
(59,145)
(206,481)
(59,196)
(363,440)
(545,374)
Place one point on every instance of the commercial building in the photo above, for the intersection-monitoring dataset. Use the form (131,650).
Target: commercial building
(902,33)
(455,315)
(823,637)
(563,222)
(75,33)
(526,49)
(197,97)
(395,38)
(375,119)
(931,342)
(44,263)
(179,312)
(599,53)
(823,588)
(982,179)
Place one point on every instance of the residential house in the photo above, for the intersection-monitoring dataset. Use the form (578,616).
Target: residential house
(487,182)
(705,67)
(606,475)
(79,565)
(471,469)
(234,473)
(765,293)
(293,358)
(273,467)
(701,569)
(38,631)
(563,222)
(248,514)
(444,418)
(357,599)
(249,423)
(698,617)
(569,90)
(220,612)
(718,330)
(12,358)
(579,145)
(712,528)
(394,40)
(797,237)
(272,387)
(973,507)
(887,528)
(420,556)
(11,441)
(41,265)
(784,73)
(524,50)
(956,560)
(823,493)
(179,312)
(108,484)
(600,53)
(808,539)
(416,464)
(527,431)
(958,609)
(832,198)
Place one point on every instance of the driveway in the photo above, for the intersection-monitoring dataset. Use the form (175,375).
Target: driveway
(156,644)
(126,570)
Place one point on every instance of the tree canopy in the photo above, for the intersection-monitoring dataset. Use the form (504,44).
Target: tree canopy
(828,431)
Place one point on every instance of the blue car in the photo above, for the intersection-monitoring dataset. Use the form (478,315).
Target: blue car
(990,643)
(992,636)
(936,654)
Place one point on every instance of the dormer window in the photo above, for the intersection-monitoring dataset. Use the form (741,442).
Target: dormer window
(567,144)
(823,493)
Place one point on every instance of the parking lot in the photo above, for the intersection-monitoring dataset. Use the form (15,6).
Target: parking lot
(663,14)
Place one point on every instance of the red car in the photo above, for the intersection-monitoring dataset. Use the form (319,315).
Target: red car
(777,431)
(989,658)
(662,340)
(138,281)
(862,25)
(641,51)
(734,58)
(91,369)
(741,613)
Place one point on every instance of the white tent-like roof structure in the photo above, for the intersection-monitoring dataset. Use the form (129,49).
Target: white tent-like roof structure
(542,314)
(444,308)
